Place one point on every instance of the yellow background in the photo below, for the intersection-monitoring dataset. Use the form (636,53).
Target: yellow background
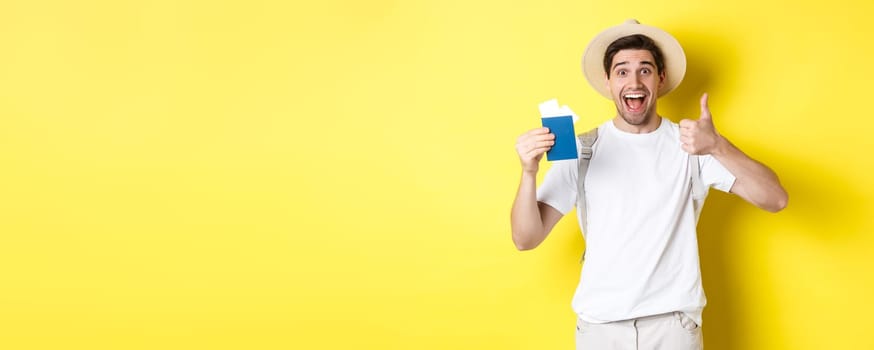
(339,174)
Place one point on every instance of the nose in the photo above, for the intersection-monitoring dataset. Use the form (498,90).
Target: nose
(635,79)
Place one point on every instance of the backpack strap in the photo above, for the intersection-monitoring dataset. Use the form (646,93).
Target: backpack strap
(699,190)
(587,140)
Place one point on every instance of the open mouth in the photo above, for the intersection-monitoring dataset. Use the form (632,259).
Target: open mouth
(634,101)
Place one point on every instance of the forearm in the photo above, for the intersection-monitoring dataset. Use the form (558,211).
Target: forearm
(754,181)
(525,220)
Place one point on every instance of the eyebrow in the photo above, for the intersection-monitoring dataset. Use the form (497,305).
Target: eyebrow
(641,63)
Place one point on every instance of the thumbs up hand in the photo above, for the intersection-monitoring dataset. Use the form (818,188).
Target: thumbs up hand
(699,137)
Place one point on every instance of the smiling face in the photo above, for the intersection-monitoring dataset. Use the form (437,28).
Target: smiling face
(634,83)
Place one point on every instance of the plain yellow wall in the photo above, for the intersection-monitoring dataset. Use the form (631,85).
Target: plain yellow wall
(339,174)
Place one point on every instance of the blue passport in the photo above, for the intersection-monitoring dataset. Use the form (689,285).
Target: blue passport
(565,146)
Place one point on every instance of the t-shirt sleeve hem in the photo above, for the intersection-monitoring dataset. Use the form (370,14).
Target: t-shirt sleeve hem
(555,205)
(726,185)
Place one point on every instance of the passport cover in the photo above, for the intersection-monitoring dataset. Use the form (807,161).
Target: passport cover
(565,146)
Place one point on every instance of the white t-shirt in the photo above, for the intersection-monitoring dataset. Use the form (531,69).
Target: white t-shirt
(641,243)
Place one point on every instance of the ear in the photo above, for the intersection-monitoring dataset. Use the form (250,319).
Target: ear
(662,79)
(607,81)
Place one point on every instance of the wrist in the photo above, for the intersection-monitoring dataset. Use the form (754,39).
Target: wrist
(721,146)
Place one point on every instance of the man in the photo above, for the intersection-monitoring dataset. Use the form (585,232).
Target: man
(640,285)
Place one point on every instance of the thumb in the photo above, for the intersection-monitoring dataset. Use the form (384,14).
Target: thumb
(705,110)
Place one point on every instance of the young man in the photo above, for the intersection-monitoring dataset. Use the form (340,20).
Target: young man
(640,286)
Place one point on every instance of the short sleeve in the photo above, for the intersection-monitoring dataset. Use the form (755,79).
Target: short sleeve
(559,187)
(713,174)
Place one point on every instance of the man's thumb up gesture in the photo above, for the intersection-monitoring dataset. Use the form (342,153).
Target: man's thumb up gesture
(699,136)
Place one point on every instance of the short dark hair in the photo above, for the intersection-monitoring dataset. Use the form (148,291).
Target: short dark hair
(633,42)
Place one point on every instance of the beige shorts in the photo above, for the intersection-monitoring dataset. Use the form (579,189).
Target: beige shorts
(674,331)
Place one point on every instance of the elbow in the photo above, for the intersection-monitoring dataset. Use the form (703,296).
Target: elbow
(780,203)
(522,243)
(520,246)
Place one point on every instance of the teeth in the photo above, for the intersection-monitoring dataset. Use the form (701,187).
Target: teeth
(634,96)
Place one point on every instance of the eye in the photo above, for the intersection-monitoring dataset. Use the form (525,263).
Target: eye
(645,71)
(621,72)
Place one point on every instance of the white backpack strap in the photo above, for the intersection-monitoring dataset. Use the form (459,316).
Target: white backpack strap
(587,140)
(699,190)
